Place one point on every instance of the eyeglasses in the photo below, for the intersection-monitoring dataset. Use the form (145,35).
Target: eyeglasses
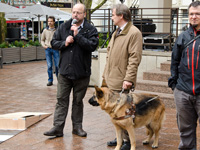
(196,15)
(76,12)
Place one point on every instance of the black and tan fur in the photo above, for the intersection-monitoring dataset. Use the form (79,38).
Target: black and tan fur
(147,113)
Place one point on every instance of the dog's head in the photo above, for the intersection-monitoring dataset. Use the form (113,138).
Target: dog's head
(105,98)
(99,95)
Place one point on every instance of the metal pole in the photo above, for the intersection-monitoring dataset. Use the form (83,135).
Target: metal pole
(25,30)
(39,28)
(32,29)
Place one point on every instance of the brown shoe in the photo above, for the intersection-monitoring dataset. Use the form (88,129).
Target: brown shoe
(79,132)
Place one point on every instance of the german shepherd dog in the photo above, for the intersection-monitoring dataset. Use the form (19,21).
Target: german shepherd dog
(133,110)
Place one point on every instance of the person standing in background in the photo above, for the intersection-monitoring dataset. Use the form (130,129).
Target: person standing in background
(46,38)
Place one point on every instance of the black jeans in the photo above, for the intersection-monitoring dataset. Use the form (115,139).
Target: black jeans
(65,86)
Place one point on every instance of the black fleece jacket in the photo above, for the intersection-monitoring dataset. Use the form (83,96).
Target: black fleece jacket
(75,59)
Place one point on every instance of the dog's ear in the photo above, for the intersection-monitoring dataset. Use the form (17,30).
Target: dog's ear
(99,92)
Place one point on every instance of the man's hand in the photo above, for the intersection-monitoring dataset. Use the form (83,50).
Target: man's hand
(74,28)
(127,85)
(45,47)
(69,39)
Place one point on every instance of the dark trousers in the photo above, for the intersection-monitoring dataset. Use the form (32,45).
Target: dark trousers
(188,112)
(65,85)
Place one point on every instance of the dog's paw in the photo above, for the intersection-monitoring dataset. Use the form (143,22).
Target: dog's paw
(154,146)
(92,102)
(145,142)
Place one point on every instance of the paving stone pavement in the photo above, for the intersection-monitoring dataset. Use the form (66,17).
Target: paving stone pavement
(23,89)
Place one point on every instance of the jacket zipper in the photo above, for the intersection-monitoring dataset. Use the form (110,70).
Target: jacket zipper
(193,81)
(197,59)
(188,58)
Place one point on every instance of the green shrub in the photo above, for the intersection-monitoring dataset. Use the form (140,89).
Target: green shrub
(20,44)
(102,40)
(37,43)
(31,42)
(11,45)
(16,43)
(4,45)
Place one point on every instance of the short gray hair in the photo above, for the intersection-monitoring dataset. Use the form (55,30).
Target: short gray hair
(122,9)
(194,4)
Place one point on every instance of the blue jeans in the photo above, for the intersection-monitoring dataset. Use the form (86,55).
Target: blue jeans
(49,53)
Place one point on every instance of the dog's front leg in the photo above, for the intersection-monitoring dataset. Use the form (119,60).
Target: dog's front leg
(118,130)
(131,133)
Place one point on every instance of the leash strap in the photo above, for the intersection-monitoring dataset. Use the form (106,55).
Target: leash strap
(151,99)
(120,95)
(191,41)
(131,111)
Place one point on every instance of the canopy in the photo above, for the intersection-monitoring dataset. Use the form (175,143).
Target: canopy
(17,21)
(41,10)
(7,9)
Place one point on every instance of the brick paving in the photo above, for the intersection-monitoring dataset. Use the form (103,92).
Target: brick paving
(23,89)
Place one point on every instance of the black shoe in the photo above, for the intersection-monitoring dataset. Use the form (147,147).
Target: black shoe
(54,132)
(49,83)
(79,132)
(112,143)
(126,146)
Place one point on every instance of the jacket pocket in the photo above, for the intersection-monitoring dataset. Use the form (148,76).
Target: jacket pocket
(185,59)
(116,73)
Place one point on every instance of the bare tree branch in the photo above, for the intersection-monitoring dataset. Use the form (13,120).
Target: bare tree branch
(98,6)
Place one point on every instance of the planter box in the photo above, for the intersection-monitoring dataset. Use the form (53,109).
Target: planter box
(40,53)
(28,53)
(11,55)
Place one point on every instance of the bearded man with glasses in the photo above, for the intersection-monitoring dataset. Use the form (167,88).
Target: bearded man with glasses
(76,39)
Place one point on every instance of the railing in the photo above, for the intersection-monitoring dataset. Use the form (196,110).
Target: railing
(159,26)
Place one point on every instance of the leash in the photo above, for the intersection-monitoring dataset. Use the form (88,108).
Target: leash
(151,99)
(120,95)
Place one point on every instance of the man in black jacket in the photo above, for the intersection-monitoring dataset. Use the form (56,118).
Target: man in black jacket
(76,39)
(185,79)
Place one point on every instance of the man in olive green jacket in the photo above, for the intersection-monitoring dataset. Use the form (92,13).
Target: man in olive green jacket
(123,55)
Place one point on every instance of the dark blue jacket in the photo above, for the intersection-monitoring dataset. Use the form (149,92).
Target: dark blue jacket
(185,66)
(75,59)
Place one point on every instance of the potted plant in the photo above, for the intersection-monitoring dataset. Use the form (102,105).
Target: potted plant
(28,51)
(10,53)
(40,51)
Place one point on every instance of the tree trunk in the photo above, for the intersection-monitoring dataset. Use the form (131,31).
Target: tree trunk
(88,5)
(2,27)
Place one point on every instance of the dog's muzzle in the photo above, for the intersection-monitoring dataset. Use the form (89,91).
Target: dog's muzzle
(93,102)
